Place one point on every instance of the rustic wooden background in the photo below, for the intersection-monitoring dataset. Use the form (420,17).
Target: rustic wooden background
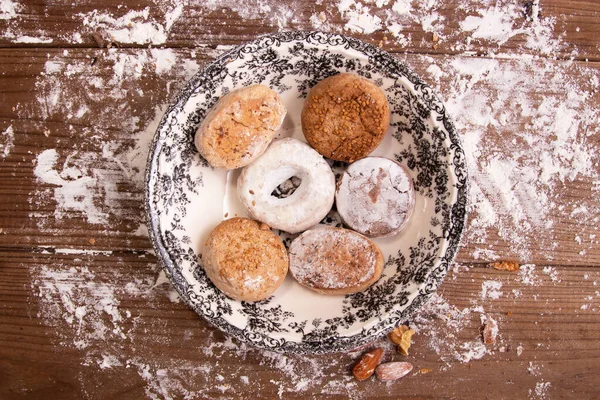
(153,346)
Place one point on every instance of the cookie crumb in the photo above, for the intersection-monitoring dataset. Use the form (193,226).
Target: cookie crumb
(519,350)
(505,266)
(490,331)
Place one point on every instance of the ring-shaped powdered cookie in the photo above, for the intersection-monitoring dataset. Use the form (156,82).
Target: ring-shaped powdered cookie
(309,204)
(375,197)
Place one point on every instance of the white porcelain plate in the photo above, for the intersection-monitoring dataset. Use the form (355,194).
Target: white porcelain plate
(186,198)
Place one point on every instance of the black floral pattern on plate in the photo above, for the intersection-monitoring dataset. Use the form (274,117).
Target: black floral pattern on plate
(296,61)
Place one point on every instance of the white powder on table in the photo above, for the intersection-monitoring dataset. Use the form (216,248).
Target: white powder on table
(133,27)
(360,18)
(8,9)
(30,39)
(7,141)
(515,185)
(491,290)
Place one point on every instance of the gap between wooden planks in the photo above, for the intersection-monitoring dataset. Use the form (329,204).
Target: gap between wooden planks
(575,22)
(27,209)
(559,338)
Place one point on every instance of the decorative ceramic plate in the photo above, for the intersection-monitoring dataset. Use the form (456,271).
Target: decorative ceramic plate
(186,198)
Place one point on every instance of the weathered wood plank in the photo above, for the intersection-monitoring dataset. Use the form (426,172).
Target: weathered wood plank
(160,347)
(96,111)
(510,26)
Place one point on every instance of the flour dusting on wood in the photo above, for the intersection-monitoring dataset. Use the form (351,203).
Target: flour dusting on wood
(101,96)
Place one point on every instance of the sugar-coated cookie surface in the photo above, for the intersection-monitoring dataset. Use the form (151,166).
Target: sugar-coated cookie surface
(375,197)
(240,126)
(310,202)
(335,261)
(345,117)
(245,259)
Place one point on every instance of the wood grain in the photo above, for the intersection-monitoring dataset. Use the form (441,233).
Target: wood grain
(237,22)
(136,339)
(28,208)
(559,340)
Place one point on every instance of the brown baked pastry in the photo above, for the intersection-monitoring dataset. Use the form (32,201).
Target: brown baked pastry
(345,117)
(335,261)
(240,126)
(245,259)
(375,197)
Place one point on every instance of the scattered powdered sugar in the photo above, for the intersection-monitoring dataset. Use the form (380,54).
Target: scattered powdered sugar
(273,12)
(491,289)
(552,273)
(72,189)
(493,24)
(540,391)
(443,324)
(528,275)
(516,185)
(86,183)
(30,39)
(359,17)
(8,9)
(88,306)
(7,141)
(133,27)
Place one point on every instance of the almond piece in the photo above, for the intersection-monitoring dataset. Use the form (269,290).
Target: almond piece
(393,370)
(367,364)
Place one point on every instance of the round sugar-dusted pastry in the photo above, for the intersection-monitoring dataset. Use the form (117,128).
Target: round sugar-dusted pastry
(345,117)
(307,205)
(375,197)
(240,126)
(245,259)
(335,261)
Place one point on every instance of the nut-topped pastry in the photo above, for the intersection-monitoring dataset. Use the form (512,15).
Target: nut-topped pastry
(245,259)
(345,117)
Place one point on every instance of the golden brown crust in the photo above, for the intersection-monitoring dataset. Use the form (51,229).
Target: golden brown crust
(245,259)
(240,126)
(335,261)
(345,117)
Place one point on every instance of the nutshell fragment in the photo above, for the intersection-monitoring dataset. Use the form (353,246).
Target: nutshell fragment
(402,336)
(510,266)
(490,331)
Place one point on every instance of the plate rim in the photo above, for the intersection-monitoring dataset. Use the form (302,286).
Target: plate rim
(458,214)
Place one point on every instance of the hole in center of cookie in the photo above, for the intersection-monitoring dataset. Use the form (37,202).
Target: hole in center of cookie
(287,188)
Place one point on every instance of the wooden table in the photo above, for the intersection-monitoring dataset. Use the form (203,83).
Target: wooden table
(84,310)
